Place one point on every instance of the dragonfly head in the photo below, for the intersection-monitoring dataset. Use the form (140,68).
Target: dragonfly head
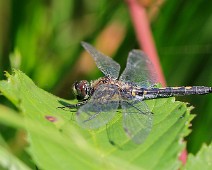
(81,90)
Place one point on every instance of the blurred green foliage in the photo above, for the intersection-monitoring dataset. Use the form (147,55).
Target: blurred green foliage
(42,38)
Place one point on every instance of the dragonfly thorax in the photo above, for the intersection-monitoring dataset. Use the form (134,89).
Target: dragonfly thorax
(81,90)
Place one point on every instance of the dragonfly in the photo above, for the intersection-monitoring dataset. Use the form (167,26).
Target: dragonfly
(99,100)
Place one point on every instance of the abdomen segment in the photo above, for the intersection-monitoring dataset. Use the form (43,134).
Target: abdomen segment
(175,91)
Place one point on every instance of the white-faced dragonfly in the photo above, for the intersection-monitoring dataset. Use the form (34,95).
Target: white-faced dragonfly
(99,99)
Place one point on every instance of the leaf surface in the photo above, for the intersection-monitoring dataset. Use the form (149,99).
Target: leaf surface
(203,159)
(57,142)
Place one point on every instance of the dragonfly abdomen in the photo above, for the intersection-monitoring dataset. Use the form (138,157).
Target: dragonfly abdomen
(175,91)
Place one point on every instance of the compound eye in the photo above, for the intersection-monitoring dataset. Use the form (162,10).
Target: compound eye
(81,90)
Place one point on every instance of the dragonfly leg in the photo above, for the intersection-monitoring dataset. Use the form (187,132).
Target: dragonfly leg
(73,106)
(141,111)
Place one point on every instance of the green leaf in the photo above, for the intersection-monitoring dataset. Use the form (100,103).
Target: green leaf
(203,159)
(56,141)
(7,159)
(49,147)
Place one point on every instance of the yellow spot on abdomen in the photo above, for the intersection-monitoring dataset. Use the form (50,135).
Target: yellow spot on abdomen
(133,93)
(175,88)
(162,88)
(188,87)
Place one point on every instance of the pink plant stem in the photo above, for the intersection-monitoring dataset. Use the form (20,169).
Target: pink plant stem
(183,156)
(145,39)
(144,35)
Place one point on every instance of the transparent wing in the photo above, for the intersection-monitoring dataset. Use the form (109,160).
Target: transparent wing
(100,109)
(137,120)
(106,64)
(117,136)
(139,70)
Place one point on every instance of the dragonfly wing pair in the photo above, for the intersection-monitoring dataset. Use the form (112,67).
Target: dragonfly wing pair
(102,106)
